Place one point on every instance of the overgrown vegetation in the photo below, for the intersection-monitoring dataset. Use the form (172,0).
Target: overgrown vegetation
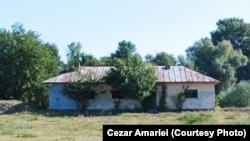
(238,96)
(162,102)
(25,62)
(26,135)
(196,118)
(133,78)
(180,98)
(83,88)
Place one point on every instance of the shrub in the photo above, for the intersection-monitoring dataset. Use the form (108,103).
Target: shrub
(238,96)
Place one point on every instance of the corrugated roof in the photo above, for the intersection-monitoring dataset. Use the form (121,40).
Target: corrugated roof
(181,74)
(168,74)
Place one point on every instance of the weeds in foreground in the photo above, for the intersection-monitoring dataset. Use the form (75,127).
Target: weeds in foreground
(26,135)
(196,118)
(52,125)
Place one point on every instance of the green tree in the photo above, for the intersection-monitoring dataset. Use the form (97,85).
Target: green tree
(133,78)
(89,60)
(108,61)
(124,51)
(149,58)
(6,69)
(184,61)
(220,61)
(25,61)
(82,89)
(164,58)
(74,54)
(237,32)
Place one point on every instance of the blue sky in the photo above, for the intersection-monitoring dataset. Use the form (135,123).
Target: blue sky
(152,25)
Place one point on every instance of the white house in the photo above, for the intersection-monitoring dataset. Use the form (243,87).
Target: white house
(201,89)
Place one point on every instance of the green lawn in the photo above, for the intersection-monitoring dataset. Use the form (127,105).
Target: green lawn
(47,125)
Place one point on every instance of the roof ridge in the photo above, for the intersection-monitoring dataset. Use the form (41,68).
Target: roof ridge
(187,75)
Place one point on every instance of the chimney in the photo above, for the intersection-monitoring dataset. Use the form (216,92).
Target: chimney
(167,67)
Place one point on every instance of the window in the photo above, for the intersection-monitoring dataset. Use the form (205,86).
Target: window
(192,94)
(116,94)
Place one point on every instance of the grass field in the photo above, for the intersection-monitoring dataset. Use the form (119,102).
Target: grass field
(44,125)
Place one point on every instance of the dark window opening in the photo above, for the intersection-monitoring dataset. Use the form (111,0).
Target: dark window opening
(192,94)
(117,94)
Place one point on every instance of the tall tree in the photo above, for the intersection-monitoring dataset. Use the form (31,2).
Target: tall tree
(89,60)
(236,31)
(133,77)
(184,61)
(6,58)
(25,61)
(164,58)
(74,54)
(220,61)
(149,58)
(124,51)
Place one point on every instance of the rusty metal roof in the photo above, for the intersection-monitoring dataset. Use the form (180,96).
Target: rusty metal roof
(181,74)
(170,74)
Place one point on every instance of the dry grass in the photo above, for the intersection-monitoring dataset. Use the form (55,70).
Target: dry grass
(73,126)
(70,127)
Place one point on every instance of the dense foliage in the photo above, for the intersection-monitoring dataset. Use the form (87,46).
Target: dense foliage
(238,96)
(25,62)
(161,59)
(237,32)
(82,89)
(220,61)
(133,77)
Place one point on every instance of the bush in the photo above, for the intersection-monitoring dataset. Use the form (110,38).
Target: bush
(238,96)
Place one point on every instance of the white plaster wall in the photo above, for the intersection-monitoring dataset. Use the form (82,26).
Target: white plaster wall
(57,101)
(129,104)
(104,101)
(205,100)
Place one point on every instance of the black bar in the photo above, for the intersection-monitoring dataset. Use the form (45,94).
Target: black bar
(176,132)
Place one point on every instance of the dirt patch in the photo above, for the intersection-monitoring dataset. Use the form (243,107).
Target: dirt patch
(6,107)
(9,107)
